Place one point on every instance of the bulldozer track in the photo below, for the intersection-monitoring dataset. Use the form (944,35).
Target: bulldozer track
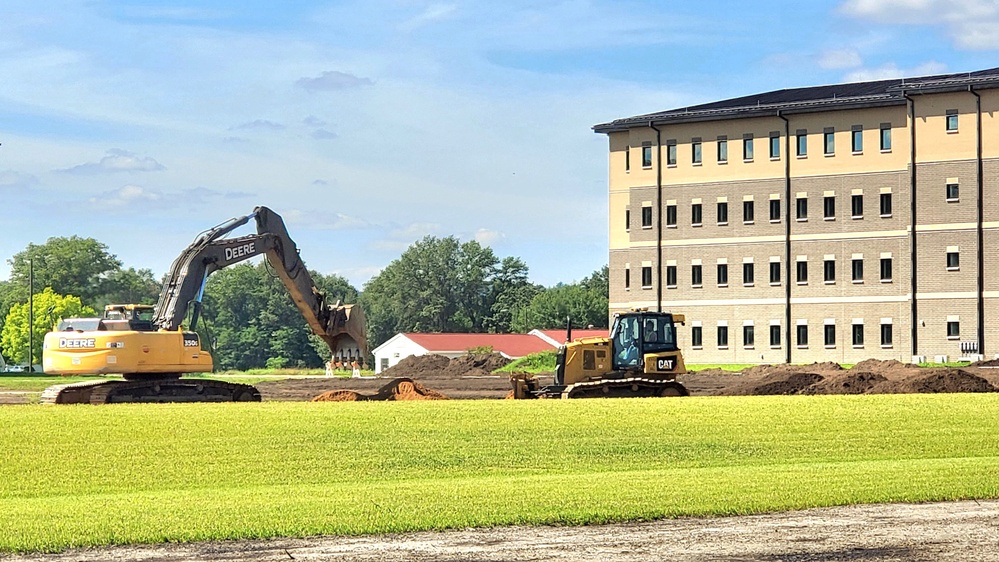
(636,387)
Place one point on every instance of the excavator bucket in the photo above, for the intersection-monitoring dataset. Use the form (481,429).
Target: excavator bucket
(345,334)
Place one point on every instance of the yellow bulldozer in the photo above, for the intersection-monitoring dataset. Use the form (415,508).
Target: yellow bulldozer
(640,358)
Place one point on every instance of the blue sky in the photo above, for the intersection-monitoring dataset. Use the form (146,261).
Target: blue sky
(370,124)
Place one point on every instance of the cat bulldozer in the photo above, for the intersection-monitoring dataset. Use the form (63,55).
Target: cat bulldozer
(639,359)
(150,348)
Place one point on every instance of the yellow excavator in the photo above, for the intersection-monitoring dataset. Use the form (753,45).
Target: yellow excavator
(640,358)
(151,349)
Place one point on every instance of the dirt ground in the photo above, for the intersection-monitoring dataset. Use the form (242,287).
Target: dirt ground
(961,531)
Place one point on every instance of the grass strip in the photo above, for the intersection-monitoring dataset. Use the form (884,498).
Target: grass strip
(88,476)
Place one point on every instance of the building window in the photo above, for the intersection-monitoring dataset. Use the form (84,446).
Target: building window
(886,336)
(885,270)
(953,260)
(671,276)
(695,151)
(627,219)
(951,120)
(802,333)
(801,269)
(953,329)
(775,210)
(857,270)
(801,208)
(858,335)
(695,214)
(829,143)
(747,148)
(695,275)
(722,150)
(696,336)
(671,153)
(886,204)
(829,207)
(722,212)
(646,277)
(857,206)
(748,273)
(774,335)
(885,137)
(627,159)
(748,211)
(722,270)
(829,335)
(748,336)
(953,192)
(775,273)
(774,146)
(646,217)
(722,336)
(646,156)
(801,142)
(857,139)
(627,278)
(670,215)
(829,271)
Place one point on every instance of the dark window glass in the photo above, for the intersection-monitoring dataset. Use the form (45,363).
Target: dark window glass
(774,335)
(857,270)
(886,269)
(775,272)
(671,276)
(775,147)
(747,149)
(722,274)
(646,217)
(830,143)
(802,334)
(953,191)
(696,336)
(801,268)
(695,213)
(747,273)
(722,336)
(885,138)
(857,141)
(722,150)
(857,205)
(627,219)
(695,275)
(858,334)
(670,215)
(885,204)
(646,156)
(829,335)
(671,154)
(695,152)
(748,211)
(646,277)
(829,271)
(886,334)
(748,336)
(829,207)
(627,278)
(802,144)
(722,213)
(775,210)
(801,208)
(953,260)
(953,329)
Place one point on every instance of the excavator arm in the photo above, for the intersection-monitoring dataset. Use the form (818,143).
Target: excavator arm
(342,327)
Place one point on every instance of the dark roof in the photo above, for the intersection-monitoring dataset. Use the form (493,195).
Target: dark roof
(877,93)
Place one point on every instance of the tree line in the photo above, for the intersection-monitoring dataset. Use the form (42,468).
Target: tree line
(436,285)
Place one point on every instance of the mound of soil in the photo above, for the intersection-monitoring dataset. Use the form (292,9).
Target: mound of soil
(784,369)
(398,389)
(438,366)
(934,381)
(848,382)
(885,367)
(776,383)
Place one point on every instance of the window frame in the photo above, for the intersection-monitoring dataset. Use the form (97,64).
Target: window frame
(696,214)
(801,144)
(646,216)
(885,139)
(748,149)
(829,335)
(748,336)
(952,191)
(887,337)
(886,267)
(857,140)
(671,277)
(646,156)
(829,143)
(857,270)
(721,333)
(722,151)
(696,275)
(801,209)
(775,147)
(748,274)
(885,204)
(829,207)
(857,204)
(829,272)
(721,212)
(953,329)
(696,153)
(775,273)
(953,261)
(801,335)
(801,272)
(775,336)
(748,212)
(721,274)
(696,337)
(671,216)
(857,335)
(646,276)
(775,210)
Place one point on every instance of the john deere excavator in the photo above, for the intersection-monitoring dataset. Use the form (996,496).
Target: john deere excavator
(639,359)
(151,349)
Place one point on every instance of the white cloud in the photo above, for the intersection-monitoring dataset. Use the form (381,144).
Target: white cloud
(488,237)
(840,58)
(971,24)
(258,125)
(12,179)
(117,160)
(332,80)
(890,70)
(432,14)
(323,134)
(126,196)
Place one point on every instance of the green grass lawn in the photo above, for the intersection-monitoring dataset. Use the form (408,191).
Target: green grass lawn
(136,473)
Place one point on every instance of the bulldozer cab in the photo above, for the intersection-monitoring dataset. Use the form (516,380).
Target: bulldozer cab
(635,334)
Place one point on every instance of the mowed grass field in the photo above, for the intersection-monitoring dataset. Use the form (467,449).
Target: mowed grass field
(84,475)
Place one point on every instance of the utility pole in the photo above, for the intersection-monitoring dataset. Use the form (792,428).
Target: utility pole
(31,315)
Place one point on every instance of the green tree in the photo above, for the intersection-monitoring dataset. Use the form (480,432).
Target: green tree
(512,293)
(49,307)
(550,308)
(254,322)
(129,286)
(71,266)
(437,285)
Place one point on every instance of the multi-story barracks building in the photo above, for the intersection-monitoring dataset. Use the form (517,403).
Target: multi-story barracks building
(829,223)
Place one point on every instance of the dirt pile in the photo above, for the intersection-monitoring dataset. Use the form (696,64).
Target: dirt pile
(398,389)
(867,377)
(439,367)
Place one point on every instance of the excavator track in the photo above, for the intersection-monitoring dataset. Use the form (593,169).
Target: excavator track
(625,388)
(152,390)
